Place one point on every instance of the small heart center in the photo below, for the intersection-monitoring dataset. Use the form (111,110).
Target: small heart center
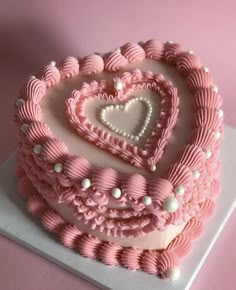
(129,119)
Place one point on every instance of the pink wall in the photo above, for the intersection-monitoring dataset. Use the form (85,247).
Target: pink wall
(35,32)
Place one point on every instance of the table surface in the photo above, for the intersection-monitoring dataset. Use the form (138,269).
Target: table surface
(33,34)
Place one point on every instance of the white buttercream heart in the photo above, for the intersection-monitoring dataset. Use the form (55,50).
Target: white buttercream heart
(125,107)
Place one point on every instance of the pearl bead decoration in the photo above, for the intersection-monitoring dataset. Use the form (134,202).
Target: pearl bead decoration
(220,112)
(196,174)
(190,52)
(116,192)
(19,102)
(208,153)
(118,85)
(215,89)
(206,69)
(58,167)
(24,127)
(179,190)
(37,148)
(216,134)
(32,77)
(52,63)
(153,168)
(85,183)
(147,200)
(173,273)
(170,42)
(125,108)
(170,204)
(118,49)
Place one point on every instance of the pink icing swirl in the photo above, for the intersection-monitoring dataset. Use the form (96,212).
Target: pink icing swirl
(193,228)
(171,52)
(34,90)
(181,245)
(133,52)
(198,79)
(153,49)
(69,68)
(167,259)
(88,246)
(91,64)
(187,62)
(52,221)
(179,174)
(207,118)
(54,150)
(109,254)
(36,205)
(29,111)
(207,98)
(114,61)
(105,179)
(207,209)
(192,156)
(130,258)
(76,168)
(149,262)
(69,236)
(50,75)
(204,138)
(214,188)
(19,170)
(159,189)
(38,132)
(135,186)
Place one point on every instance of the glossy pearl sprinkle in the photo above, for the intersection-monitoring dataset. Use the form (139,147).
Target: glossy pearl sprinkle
(52,63)
(196,174)
(24,128)
(170,204)
(118,85)
(85,183)
(58,167)
(173,273)
(147,200)
(216,134)
(37,148)
(220,113)
(179,190)
(208,153)
(19,102)
(116,192)
(153,168)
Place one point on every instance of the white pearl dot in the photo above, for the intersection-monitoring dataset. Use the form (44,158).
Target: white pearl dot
(196,174)
(118,85)
(19,102)
(179,190)
(190,52)
(85,183)
(24,127)
(37,148)
(116,192)
(32,77)
(220,113)
(173,273)
(206,69)
(147,200)
(118,49)
(215,89)
(217,134)
(58,167)
(52,63)
(153,168)
(170,42)
(136,138)
(208,153)
(170,204)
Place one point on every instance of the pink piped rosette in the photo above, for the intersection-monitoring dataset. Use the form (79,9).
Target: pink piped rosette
(45,169)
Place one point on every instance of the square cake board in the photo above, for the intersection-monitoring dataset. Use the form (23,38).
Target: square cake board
(18,225)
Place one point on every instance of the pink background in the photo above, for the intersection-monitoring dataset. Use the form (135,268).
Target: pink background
(33,34)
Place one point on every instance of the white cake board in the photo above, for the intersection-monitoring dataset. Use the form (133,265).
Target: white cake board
(18,225)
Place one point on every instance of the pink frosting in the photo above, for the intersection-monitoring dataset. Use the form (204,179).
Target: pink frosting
(69,236)
(198,79)
(38,132)
(171,52)
(69,68)
(91,64)
(133,52)
(149,262)
(130,258)
(109,254)
(207,118)
(187,62)
(76,168)
(52,221)
(25,187)
(29,111)
(53,150)
(50,75)
(34,89)
(167,260)
(207,98)
(114,61)
(153,49)
(88,246)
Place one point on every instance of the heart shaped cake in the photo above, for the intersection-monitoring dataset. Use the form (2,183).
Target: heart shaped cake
(118,153)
